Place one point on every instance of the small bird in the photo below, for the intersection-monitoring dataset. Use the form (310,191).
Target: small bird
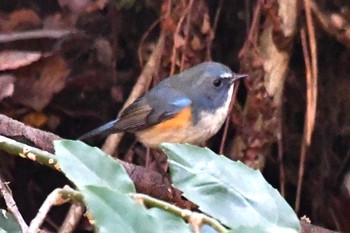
(189,107)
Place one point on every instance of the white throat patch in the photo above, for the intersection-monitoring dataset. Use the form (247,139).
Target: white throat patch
(211,122)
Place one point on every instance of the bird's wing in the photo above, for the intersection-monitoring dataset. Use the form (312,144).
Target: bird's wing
(151,109)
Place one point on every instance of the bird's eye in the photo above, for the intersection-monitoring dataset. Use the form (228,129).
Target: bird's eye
(217,82)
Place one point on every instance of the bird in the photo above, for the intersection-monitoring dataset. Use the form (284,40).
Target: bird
(189,107)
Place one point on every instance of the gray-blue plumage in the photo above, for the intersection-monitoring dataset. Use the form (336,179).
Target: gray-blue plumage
(206,88)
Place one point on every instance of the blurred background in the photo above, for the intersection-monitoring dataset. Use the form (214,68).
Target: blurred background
(69,66)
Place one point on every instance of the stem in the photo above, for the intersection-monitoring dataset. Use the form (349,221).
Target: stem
(25,151)
(186,214)
(58,196)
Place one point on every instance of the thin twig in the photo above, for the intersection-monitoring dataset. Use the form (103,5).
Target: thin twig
(143,38)
(149,71)
(251,38)
(227,122)
(335,219)
(304,142)
(214,28)
(11,204)
(253,32)
(182,213)
(280,162)
(248,40)
(344,167)
(312,86)
(247,14)
(139,88)
(176,33)
(57,197)
(73,217)
(217,16)
(311,94)
(186,34)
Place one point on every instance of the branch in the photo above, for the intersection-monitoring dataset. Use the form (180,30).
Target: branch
(72,219)
(19,149)
(11,204)
(41,139)
(143,82)
(146,181)
(57,197)
(193,217)
(309,228)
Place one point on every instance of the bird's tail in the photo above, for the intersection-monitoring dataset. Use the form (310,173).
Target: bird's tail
(104,129)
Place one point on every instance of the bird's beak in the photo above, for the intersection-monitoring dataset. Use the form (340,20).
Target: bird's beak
(235,77)
(239,76)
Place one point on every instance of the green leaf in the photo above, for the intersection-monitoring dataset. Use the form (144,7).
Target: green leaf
(170,223)
(117,212)
(8,224)
(85,165)
(208,229)
(235,194)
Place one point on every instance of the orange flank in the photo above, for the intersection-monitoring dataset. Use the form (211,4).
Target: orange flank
(180,120)
(177,130)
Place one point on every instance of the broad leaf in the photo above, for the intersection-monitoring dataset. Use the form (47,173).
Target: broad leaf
(8,224)
(85,165)
(235,194)
(208,229)
(170,223)
(105,185)
(116,212)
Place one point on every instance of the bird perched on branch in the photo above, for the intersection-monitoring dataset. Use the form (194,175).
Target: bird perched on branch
(189,107)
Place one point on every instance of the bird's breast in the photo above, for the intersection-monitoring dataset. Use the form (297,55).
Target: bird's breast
(181,128)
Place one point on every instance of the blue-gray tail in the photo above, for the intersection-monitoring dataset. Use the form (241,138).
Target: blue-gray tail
(104,129)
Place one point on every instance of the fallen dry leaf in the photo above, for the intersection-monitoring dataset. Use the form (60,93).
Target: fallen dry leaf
(206,27)
(37,84)
(179,41)
(36,34)
(35,119)
(74,5)
(23,19)
(196,43)
(11,59)
(6,85)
